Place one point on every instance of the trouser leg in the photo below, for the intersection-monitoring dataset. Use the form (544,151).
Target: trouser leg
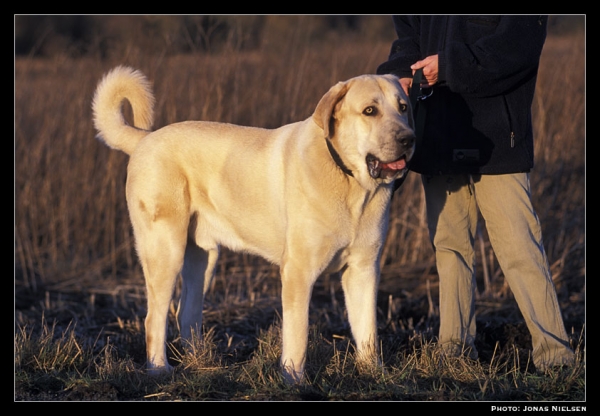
(452,222)
(515,234)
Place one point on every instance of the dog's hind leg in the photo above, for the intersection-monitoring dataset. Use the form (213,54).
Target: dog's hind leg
(197,273)
(161,255)
(209,276)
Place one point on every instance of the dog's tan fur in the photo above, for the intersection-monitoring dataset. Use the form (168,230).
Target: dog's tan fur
(195,186)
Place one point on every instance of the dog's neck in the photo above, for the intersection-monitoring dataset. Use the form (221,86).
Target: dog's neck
(337,159)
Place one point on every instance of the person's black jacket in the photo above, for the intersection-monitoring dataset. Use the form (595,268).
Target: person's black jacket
(478,119)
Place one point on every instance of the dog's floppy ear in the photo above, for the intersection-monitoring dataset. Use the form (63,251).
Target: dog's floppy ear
(325,111)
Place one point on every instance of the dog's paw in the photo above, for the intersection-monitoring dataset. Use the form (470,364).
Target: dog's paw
(293,377)
(156,370)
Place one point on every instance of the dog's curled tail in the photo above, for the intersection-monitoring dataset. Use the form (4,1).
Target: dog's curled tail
(123,83)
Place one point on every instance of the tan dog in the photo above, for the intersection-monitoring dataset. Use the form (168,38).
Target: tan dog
(312,197)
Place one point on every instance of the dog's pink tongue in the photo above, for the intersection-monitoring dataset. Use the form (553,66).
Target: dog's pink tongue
(397,165)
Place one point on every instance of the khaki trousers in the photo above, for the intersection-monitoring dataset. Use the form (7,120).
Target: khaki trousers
(515,234)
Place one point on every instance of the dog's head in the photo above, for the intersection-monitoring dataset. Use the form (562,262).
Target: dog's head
(370,124)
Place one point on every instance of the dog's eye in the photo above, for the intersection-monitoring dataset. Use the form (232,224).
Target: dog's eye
(403,107)
(370,111)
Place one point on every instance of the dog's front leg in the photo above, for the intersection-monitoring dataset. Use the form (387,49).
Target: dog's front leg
(360,282)
(296,292)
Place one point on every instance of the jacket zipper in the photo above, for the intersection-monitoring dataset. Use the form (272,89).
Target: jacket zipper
(512,132)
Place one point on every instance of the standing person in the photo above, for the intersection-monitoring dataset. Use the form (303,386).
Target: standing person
(476,152)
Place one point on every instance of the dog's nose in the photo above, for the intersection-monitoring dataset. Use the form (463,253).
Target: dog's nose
(407,140)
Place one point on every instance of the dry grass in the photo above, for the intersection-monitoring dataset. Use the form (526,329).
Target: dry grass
(79,296)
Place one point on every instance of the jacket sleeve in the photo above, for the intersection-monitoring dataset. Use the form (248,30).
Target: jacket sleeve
(496,62)
(405,49)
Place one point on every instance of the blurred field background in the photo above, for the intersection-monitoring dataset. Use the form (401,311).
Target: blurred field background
(78,287)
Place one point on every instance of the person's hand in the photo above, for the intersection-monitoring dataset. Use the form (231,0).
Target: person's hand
(430,70)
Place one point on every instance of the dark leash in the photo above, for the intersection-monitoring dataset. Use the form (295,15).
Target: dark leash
(416,96)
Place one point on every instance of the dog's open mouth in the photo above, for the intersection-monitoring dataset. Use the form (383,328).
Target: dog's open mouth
(379,169)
